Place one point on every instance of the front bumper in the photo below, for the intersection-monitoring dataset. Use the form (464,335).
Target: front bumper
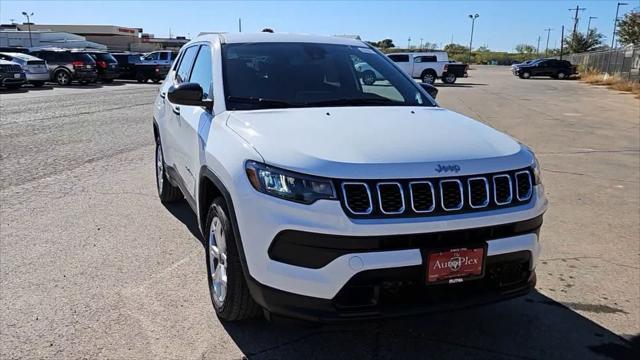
(262,217)
(9,79)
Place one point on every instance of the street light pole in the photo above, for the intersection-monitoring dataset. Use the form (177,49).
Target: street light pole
(615,23)
(546,50)
(589,23)
(29,25)
(473,22)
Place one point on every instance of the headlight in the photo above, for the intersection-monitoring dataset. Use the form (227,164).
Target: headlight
(537,177)
(288,185)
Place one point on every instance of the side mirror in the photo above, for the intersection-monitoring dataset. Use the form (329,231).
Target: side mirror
(189,94)
(432,90)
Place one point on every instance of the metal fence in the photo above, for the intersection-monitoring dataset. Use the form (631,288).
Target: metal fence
(624,62)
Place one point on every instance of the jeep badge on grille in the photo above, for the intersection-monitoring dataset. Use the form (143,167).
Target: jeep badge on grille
(448,168)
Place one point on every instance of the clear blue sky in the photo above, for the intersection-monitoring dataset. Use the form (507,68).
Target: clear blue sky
(501,25)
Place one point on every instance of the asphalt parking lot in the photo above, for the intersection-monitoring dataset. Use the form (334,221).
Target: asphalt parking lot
(92,265)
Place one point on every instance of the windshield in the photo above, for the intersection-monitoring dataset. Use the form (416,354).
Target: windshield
(282,75)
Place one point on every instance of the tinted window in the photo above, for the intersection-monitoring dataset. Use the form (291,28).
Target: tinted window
(429,58)
(280,75)
(399,58)
(201,73)
(164,56)
(184,68)
(104,57)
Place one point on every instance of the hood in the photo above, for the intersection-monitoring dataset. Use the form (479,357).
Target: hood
(379,141)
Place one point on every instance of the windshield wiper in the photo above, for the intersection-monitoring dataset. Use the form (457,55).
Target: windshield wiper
(261,101)
(354,102)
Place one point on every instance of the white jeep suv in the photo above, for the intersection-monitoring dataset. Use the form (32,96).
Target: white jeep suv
(324,198)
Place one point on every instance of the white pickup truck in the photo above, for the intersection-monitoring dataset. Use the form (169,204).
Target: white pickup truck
(429,66)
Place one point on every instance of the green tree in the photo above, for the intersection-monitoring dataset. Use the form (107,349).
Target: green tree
(581,42)
(629,29)
(453,49)
(525,49)
(483,49)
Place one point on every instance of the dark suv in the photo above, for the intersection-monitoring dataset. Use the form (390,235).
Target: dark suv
(67,66)
(557,69)
(106,65)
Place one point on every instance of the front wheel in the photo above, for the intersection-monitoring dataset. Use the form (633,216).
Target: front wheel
(227,285)
(561,75)
(525,75)
(449,78)
(140,77)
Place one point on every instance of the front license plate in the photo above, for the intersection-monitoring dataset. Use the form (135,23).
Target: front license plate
(17,76)
(455,265)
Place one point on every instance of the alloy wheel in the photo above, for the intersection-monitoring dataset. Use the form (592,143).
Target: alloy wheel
(159,168)
(218,262)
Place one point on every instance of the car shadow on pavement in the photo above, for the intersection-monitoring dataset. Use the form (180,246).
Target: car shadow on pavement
(530,327)
(460,85)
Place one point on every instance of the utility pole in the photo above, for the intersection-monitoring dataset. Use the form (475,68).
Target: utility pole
(538,48)
(473,23)
(546,50)
(421,43)
(29,15)
(562,42)
(615,24)
(409,43)
(589,23)
(239,24)
(575,19)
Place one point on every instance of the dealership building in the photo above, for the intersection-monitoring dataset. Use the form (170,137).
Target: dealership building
(113,37)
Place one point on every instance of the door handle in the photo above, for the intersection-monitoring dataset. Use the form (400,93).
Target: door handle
(176,110)
(163,94)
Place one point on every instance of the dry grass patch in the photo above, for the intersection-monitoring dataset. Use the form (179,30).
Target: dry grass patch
(612,82)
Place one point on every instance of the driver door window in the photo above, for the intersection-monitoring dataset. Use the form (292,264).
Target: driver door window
(184,69)
(202,71)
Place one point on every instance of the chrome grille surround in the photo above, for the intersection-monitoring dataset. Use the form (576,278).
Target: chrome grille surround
(527,196)
(486,187)
(495,192)
(442,200)
(399,211)
(433,197)
(344,193)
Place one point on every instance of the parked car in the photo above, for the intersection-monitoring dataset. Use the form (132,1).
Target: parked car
(132,67)
(106,65)
(429,66)
(11,75)
(324,199)
(34,68)
(161,57)
(557,69)
(66,66)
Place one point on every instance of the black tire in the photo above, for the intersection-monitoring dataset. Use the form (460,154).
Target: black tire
(156,81)
(13,87)
(428,77)
(450,78)
(166,192)
(62,77)
(368,77)
(107,81)
(237,303)
(141,77)
(37,84)
(525,75)
(561,75)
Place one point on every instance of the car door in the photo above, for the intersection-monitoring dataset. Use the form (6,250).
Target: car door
(402,60)
(172,124)
(543,68)
(195,121)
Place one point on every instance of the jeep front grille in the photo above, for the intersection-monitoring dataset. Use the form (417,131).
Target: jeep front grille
(440,196)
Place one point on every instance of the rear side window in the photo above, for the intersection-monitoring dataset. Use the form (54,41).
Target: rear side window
(428,58)
(164,56)
(202,71)
(399,58)
(184,69)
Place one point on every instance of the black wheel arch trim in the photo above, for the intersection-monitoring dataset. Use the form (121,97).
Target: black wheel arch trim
(255,288)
